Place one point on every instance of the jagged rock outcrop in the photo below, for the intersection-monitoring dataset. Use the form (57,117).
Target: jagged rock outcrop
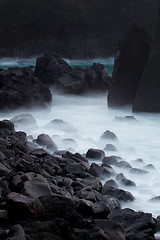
(147,98)
(19,88)
(50,67)
(53,71)
(129,66)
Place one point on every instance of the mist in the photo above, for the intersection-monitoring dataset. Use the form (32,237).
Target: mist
(86,118)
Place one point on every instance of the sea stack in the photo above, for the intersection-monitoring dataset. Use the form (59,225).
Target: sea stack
(147,98)
(129,65)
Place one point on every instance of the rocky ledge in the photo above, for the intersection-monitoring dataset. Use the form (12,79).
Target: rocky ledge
(61,196)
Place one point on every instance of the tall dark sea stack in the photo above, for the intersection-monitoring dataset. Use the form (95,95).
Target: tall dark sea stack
(129,65)
(147,98)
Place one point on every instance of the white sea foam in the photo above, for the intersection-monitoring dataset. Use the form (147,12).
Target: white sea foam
(91,117)
(20,62)
(109,61)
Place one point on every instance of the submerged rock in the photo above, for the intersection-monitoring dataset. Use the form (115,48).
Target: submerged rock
(24,120)
(61,125)
(111,160)
(110,147)
(125,119)
(108,135)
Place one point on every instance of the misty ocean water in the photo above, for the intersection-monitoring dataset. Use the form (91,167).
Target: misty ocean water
(88,117)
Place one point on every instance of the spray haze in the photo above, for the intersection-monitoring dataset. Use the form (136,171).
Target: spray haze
(83,119)
(76,123)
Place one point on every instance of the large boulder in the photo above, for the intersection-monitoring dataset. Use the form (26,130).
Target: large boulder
(45,140)
(129,66)
(137,225)
(113,230)
(19,88)
(50,67)
(147,98)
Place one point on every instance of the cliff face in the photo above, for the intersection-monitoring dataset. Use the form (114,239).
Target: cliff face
(72,28)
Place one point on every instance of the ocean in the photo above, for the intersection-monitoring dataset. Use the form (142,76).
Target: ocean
(88,117)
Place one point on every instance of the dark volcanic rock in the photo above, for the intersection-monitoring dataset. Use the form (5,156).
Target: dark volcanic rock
(99,171)
(120,194)
(46,141)
(60,125)
(17,232)
(36,187)
(19,88)
(147,97)
(100,209)
(78,80)
(95,154)
(75,168)
(125,119)
(123,164)
(108,184)
(138,171)
(73,82)
(62,207)
(20,205)
(111,160)
(112,202)
(93,182)
(6,124)
(55,229)
(97,77)
(108,135)
(113,230)
(143,228)
(129,66)
(43,196)
(123,180)
(110,147)
(24,120)
(50,67)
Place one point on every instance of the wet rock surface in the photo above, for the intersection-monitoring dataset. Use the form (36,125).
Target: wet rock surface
(146,91)
(50,72)
(12,84)
(133,54)
(53,71)
(45,196)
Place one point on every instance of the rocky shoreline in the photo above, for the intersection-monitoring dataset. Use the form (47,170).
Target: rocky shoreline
(51,73)
(51,194)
